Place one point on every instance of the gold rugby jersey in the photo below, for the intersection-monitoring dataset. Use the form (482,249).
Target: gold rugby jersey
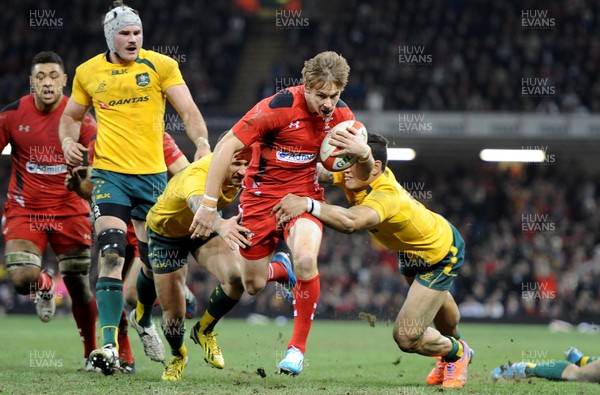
(406,225)
(129,101)
(171,215)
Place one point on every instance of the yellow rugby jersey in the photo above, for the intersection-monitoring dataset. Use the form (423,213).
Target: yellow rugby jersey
(129,101)
(171,215)
(406,225)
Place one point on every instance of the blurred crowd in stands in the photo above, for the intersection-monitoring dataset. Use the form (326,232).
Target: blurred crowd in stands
(531,232)
(204,37)
(474,54)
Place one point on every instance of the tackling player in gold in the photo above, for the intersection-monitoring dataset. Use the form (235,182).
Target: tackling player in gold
(169,244)
(430,252)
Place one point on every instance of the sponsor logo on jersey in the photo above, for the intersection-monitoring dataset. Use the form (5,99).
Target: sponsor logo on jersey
(103,105)
(119,72)
(295,157)
(128,101)
(24,128)
(142,79)
(295,125)
(35,168)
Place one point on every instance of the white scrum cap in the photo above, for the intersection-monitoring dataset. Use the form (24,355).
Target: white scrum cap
(116,19)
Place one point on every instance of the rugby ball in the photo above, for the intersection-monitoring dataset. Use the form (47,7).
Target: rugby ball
(339,163)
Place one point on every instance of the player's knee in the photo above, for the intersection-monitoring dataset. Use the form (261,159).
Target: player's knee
(75,269)
(111,243)
(407,344)
(23,284)
(305,264)
(573,373)
(407,340)
(23,270)
(254,286)
(75,265)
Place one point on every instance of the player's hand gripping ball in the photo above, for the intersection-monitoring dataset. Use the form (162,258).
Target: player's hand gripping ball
(339,163)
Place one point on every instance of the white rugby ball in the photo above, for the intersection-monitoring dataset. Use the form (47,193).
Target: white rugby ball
(339,163)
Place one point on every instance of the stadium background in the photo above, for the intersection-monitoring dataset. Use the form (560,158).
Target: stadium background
(487,75)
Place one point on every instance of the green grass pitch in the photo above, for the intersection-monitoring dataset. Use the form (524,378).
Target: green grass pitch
(344,357)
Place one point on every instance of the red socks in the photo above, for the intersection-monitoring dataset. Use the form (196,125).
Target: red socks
(277,272)
(44,282)
(125,353)
(306,297)
(86,316)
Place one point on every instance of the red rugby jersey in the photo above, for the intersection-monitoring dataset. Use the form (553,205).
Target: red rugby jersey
(288,138)
(171,150)
(38,164)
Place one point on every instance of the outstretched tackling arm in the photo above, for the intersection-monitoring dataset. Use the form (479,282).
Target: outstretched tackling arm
(222,157)
(346,220)
(228,229)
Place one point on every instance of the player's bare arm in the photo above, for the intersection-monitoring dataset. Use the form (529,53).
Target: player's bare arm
(232,232)
(346,220)
(181,99)
(180,164)
(228,229)
(207,212)
(351,142)
(68,132)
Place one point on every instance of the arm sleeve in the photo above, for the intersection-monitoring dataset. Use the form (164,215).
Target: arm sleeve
(171,150)
(194,183)
(79,94)
(4,130)
(257,122)
(88,130)
(169,72)
(385,202)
